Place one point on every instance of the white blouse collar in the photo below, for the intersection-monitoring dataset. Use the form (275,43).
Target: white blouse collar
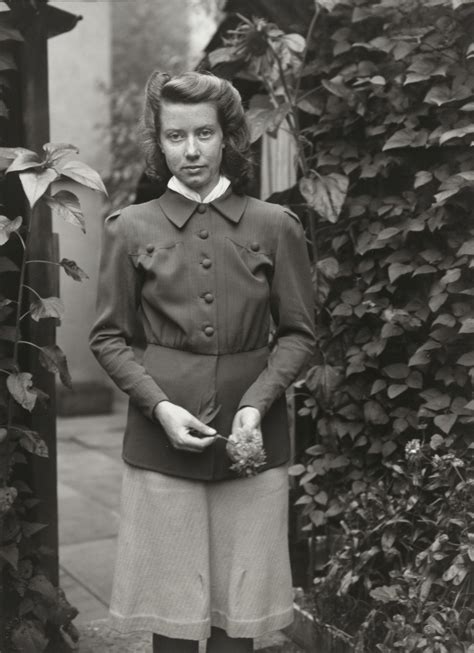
(218,190)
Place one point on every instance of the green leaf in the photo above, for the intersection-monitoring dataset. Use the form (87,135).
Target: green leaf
(295,42)
(406,138)
(321,498)
(422,177)
(28,638)
(397,371)
(24,161)
(467,248)
(263,120)
(388,448)
(222,55)
(326,194)
(47,307)
(6,264)
(73,270)
(296,470)
(65,206)
(445,422)
(36,183)
(7,227)
(54,360)
(396,270)
(467,326)
(9,552)
(322,380)
(9,154)
(318,518)
(31,441)
(82,174)
(7,62)
(396,389)
(466,359)
(456,133)
(386,593)
(31,528)
(20,386)
(56,152)
(374,413)
(442,94)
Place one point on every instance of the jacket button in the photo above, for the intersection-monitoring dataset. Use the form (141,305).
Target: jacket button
(209,331)
(254,247)
(201,208)
(208,298)
(204,234)
(150,248)
(206,263)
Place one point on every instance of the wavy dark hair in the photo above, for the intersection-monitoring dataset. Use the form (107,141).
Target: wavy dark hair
(192,88)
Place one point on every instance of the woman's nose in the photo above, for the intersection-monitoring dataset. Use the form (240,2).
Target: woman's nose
(192,149)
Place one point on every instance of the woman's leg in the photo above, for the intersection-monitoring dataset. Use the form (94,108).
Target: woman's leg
(220,642)
(162,644)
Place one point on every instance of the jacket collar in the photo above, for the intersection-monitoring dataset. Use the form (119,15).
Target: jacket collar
(178,209)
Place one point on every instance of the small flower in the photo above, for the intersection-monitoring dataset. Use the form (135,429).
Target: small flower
(245,449)
(413,449)
(437,462)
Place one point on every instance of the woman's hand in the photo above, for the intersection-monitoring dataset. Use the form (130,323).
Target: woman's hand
(247,418)
(178,424)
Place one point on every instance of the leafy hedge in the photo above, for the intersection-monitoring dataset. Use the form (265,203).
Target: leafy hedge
(380,100)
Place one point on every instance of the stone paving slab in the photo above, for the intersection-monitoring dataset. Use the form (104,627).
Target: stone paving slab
(82,519)
(98,637)
(91,564)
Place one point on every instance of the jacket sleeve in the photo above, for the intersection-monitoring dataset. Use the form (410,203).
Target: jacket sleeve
(115,336)
(292,309)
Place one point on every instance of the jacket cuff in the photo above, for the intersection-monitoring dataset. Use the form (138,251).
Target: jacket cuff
(146,395)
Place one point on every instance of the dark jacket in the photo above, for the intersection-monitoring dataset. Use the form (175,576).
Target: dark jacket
(185,295)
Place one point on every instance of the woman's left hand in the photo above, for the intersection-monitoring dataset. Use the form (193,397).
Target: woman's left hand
(247,418)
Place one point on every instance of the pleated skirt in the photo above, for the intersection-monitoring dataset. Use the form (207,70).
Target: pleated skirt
(195,554)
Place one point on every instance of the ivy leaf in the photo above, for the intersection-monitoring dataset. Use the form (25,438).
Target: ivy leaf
(396,389)
(20,386)
(296,470)
(47,307)
(31,441)
(7,227)
(396,270)
(35,184)
(467,326)
(456,133)
(31,528)
(73,270)
(445,422)
(422,177)
(397,371)
(82,174)
(55,152)
(318,518)
(65,205)
(326,194)
(374,413)
(222,55)
(466,359)
(322,380)
(441,95)
(406,138)
(28,638)
(54,360)
(262,120)
(9,552)
(386,593)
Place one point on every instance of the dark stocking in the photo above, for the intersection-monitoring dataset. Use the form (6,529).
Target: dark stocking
(162,644)
(220,642)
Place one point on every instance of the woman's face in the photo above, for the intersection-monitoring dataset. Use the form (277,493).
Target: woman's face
(192,141)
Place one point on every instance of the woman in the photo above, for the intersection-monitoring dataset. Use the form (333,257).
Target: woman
(188,283)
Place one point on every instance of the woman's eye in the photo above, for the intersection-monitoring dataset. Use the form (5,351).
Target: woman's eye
(205,133)
(175,136)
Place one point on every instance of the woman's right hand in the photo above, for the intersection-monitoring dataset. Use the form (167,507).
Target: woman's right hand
(178,424)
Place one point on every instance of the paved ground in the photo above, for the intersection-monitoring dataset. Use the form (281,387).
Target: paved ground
(89,477)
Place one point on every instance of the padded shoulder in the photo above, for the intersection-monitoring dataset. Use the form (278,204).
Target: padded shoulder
(291,214)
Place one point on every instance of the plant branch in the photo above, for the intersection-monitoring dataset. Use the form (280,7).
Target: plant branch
(31,289)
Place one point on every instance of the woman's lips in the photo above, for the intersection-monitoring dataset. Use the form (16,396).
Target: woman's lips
(193,168)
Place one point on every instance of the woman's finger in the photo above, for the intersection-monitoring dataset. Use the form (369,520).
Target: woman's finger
(200,427)
(187,442)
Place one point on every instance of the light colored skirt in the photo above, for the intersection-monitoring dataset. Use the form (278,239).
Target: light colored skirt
(195,554)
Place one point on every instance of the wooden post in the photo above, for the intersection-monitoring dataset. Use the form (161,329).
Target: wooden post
(44,279)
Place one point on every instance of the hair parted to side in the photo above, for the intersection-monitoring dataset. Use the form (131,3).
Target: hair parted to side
(192,88)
